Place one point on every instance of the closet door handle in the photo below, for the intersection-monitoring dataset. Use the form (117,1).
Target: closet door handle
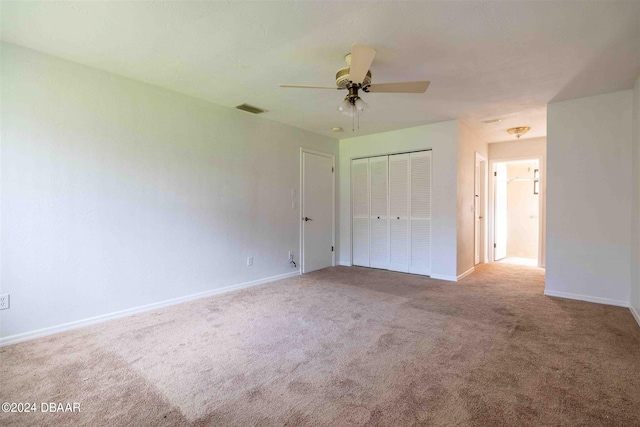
(398,217)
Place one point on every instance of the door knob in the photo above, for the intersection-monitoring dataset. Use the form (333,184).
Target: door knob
(307,219)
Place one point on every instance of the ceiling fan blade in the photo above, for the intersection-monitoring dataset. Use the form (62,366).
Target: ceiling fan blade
(361,59)
(402,87)
(310,87)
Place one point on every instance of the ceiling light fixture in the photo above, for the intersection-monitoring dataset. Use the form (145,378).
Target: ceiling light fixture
(491,121)
(352,105)
(337,129)
(519,131)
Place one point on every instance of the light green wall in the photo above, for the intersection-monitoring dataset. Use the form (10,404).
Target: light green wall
(117,194)
(589,189)
(635,206)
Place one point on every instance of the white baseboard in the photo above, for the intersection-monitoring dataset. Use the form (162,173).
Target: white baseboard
(453,278)
(441,277)
(635,313)
(25,336)
(586,298)
(346,264)
(466,273)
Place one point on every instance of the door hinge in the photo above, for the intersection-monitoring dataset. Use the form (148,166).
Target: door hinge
(495,174)
(331,169)
(494,246)
(331,248)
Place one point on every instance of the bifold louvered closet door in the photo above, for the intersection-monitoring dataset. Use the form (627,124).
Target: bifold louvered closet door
(399,212)
(378,215)
(420,213)
(360,211)
(391,212)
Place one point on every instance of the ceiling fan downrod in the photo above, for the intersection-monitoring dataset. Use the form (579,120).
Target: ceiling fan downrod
(353,92)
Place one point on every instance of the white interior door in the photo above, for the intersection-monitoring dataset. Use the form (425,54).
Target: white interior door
(476,213)
(479,209)
(399,212)
(483,210)
(500,221)
(420,212)
(360,212)
(317,211)
(379,212)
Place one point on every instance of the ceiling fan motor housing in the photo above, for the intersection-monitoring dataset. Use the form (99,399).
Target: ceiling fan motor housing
(342,78)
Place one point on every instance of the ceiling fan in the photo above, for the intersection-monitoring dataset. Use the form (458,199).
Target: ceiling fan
(357,76)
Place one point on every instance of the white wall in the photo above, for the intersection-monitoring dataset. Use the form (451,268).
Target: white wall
(468,145)
(635,200)
(520,149)
(442,139)
(117,194)
(588,198)
(522,211)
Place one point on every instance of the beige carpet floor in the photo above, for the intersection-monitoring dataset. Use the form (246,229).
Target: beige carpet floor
(344,347)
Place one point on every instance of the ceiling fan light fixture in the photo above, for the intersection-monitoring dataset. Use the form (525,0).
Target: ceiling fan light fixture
(345,106)
(352,105)
(360,105)
(519,131)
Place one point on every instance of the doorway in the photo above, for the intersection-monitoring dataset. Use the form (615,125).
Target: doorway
(317,205)
(516,211)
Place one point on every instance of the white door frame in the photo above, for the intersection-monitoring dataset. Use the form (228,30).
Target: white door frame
(333,203)
(541,205)
(480,202)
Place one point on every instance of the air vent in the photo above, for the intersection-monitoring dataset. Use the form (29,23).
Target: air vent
(250,109)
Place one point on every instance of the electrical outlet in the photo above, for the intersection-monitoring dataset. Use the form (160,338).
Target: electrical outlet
(250,261)
(290,255)
(4,301)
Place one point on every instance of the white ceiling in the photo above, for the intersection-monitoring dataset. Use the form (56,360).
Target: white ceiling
(485,59)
